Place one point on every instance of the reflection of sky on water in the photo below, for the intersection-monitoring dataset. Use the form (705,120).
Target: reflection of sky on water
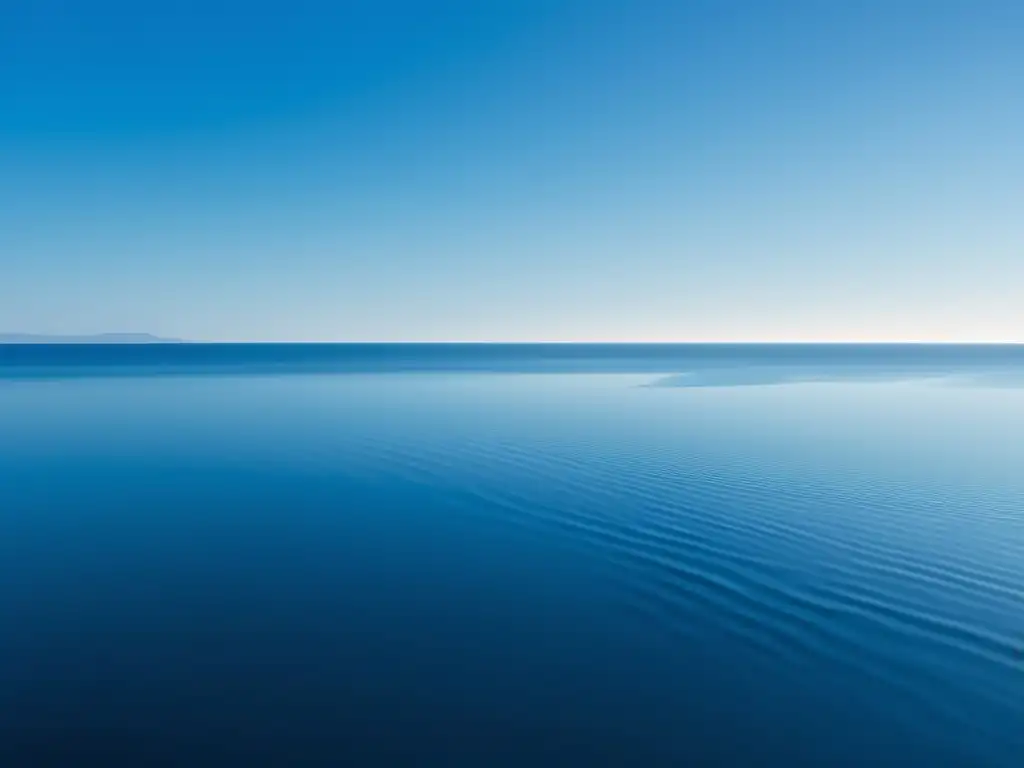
(755,375)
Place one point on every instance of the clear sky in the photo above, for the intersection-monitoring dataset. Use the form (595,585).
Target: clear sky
(568,170)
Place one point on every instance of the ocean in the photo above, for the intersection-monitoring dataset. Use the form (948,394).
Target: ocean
(635,555)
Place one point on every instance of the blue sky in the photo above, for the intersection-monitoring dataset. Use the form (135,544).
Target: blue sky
(495,170)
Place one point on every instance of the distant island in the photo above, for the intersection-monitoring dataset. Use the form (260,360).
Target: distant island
(99,338)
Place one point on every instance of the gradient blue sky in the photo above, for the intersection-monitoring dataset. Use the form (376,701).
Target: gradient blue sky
(499,170)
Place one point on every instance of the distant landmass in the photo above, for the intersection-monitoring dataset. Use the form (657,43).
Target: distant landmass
(98,338)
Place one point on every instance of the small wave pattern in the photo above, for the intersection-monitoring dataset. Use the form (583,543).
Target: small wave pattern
(821,581)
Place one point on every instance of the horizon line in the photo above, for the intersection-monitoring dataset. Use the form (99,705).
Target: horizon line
(98,339)
(606,342)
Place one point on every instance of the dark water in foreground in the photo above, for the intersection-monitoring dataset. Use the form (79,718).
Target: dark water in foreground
(324,556)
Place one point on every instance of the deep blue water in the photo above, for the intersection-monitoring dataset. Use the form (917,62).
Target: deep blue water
(511,555)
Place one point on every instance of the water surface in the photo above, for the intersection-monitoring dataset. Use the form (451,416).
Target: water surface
(723,555)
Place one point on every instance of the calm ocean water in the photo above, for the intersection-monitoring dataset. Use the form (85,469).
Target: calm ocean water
(511,555)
